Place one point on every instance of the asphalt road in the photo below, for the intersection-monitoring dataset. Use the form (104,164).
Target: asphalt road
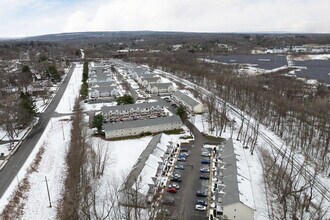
(8,173)
(192,181)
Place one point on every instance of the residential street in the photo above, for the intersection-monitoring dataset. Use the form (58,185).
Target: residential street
(8,173)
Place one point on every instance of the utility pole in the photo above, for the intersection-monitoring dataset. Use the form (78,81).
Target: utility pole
(62,131)
(50,202)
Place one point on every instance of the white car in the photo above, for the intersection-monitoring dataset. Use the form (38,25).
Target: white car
(200,207)
(174,185)
(176,175)
(206,154)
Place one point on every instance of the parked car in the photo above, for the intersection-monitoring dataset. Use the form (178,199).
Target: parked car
(182,159)
(200,207)
(201,202)
(176,175)
(205,170)
(168,201)
(179,167)
(201,193)
(205,161)
(204,176)
(184,154)
(171,190)
(206,154)
(174,185)
(184,149)
(176,179)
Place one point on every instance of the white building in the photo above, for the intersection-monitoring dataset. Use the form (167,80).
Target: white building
(191,104)
(141,184)
(99,75)
(235,198)
(137,127)
(104,91)
(149,80)
(139,72)
(136,110)
(157,88)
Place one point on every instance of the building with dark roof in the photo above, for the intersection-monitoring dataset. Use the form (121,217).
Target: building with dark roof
(136,187)
(230,199)
(191,104)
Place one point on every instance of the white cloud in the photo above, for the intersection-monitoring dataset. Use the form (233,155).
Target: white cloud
(207,15)
(182,15)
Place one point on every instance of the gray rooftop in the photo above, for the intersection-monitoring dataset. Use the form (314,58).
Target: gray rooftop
(104,88)
(151,79)
(162,85)
(139,165)
(185,98)
(106,109)
(141,123)
(140,70)
(230,174)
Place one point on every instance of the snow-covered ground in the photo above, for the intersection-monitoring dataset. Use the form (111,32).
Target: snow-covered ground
(253,160)
(249,170)
(123,155)
(310,57)
(72,92)
(54,140)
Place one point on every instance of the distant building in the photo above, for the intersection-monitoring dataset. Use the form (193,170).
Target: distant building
(137,127)
(191,104)
(137,73)
(99,75)
(157,88)
(133,110)
(149,80)
(104,91)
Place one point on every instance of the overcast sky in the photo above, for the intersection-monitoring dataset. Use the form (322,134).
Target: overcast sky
(36,17)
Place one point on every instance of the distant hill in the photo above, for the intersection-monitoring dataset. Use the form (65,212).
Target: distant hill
(78,36)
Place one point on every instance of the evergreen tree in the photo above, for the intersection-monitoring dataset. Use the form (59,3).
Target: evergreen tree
(27,109)
(98,122)
(182,112)
(126,99)
(53,73)
(84,90)
(26,69)
(85,72)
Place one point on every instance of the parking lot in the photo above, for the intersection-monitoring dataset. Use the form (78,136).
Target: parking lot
(190,176)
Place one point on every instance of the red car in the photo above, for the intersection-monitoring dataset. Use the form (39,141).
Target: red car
(171,190)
